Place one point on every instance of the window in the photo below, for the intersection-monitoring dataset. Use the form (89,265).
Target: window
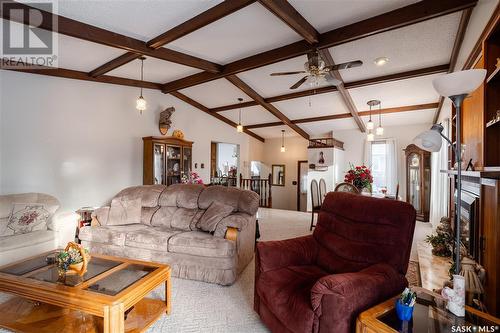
(382,161)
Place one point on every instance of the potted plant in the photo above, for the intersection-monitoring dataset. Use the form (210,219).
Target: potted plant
(359,176)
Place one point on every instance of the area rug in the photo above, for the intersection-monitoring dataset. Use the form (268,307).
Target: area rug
(204,307)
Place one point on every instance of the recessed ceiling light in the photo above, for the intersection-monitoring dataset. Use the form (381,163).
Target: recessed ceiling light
(381,61)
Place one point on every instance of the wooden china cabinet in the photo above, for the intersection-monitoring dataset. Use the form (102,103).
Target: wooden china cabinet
(418,180)
(166,160)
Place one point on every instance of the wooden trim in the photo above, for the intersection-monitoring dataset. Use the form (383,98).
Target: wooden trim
(348,85)
(199,21)
(298,183)
(414,13)
(203,108)
(231,234)
(77,75)
(457,45)
(291,17)
(346,97)
(269,107)
(77,29)
(348,115)
(114,63)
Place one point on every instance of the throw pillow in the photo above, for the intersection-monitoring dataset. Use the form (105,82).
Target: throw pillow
(28,217)
(124,212)
(213,215)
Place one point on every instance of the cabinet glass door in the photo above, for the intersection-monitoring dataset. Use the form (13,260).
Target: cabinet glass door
(173,165)
(187,160)
(159,164)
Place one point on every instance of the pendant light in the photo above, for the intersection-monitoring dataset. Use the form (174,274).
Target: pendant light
(141,104)
(239,127)
(370,125)
(380,129)
(283,141)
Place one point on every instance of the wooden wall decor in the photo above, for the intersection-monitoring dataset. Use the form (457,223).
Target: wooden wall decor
(165,121)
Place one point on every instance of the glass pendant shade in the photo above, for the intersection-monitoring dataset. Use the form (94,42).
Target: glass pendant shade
(370,125)
(141,104)
(379,130)
(429,140)
(239,128)
(459,83)
(282,141)
(282,149)
(370,136)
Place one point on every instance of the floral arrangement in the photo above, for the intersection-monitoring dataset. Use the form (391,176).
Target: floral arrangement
(193,178)
(442,241)
(359,176)
(71,256)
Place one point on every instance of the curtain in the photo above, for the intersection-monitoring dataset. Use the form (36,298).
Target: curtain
(439,181)
(391,165)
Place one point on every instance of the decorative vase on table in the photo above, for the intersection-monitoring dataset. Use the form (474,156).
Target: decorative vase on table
(360,176)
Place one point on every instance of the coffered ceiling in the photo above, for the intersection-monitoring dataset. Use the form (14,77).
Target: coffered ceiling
(219,51)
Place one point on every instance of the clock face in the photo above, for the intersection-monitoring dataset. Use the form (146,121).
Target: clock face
(415,161)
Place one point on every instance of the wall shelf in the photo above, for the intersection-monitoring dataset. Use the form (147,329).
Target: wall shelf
(494,75)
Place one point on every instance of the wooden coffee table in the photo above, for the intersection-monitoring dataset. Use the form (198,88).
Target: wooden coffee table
(110,297)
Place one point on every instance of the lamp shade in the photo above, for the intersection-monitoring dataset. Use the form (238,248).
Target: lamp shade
(459,83)
(429,140)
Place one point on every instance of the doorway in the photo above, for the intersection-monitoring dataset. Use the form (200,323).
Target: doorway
(302,169)
(224,163)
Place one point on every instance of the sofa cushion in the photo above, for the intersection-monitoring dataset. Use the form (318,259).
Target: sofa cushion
(181,195)
(149,194)
(124,211)
(114,234)
(23,240)
(213,215)
(6,201)
(241,200)
(199,243)
(147,214)
(28,217)
(287,294)
(178,218)
(152,238)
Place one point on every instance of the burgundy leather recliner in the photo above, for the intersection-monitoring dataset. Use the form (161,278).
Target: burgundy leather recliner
(356,258)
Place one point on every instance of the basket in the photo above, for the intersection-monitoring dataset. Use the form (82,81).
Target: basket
(81,267)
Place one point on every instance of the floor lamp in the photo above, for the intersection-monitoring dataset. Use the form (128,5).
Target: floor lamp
(455,86)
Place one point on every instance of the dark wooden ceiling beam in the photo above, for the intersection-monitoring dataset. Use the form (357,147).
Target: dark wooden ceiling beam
(77,75)
(346,97)
(457,45)
(269,107)
(349,85)
(291,17)
(203,108)
(414,13)
(348,115)
(199,21)
(73,28)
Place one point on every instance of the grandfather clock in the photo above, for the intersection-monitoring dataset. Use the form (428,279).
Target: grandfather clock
(418,180)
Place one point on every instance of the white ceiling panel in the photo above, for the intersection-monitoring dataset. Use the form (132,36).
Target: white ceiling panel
(425,44)
(250,116)
(399,93)
(405,118)
(155,70)
(216,93)
(320,128)
(267,86)
(140,19)
(312,106)
(246,32)
(326,15)
(274,132)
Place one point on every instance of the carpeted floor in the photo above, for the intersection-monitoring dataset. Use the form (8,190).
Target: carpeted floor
(203,307)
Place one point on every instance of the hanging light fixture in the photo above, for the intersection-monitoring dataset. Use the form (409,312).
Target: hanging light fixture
(283,141)
(239,127)
(380,129)
(141,104)
(370,136)
(370,125)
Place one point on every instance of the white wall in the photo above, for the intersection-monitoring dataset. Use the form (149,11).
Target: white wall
(354,142)
(81,141)
(285,197)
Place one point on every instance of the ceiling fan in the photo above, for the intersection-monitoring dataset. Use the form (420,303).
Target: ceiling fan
(316,69)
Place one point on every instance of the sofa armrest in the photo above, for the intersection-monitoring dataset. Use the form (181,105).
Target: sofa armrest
(101,214)
(344,296)
(63,220)
(291,252)
(237,221)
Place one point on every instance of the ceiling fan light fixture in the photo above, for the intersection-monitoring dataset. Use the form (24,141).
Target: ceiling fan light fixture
(381,61)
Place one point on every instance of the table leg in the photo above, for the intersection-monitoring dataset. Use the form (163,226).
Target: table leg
(114,319)
(168,293)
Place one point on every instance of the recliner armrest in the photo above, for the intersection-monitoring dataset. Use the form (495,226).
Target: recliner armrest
(291,252)
(238,221)
(355,292)
(63,220)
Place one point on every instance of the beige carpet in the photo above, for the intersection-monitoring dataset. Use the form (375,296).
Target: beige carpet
(203,307)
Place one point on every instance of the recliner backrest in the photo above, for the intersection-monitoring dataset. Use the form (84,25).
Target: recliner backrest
(357,231)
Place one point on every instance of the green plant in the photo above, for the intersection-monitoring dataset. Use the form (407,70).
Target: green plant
(441,243)
(70,257)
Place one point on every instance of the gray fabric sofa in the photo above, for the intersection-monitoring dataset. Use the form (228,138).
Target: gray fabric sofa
(167,231)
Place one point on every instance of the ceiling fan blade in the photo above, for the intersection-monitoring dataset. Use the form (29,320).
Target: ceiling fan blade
(287,73)
(299,82)
(345,65)
(332,80)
